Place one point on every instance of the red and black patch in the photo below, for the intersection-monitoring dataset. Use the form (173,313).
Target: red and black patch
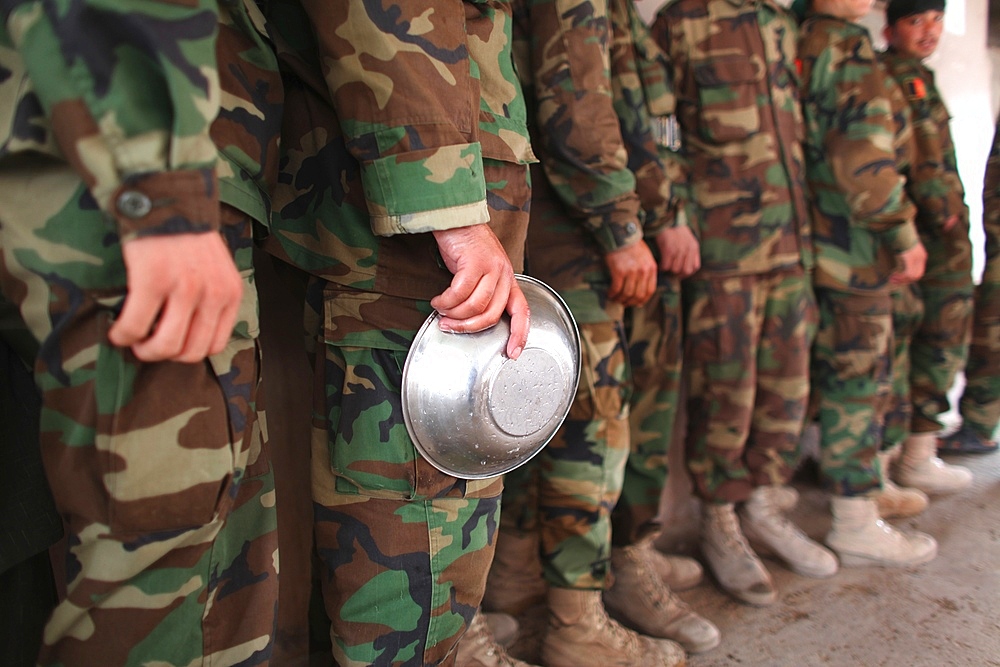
(915,88)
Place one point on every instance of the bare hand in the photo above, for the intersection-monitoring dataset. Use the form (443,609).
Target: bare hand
(633,274)
(680,253)
(183,296)
(913,262)
(483,286)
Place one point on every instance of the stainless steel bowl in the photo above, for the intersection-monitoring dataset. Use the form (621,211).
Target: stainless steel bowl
(474,413)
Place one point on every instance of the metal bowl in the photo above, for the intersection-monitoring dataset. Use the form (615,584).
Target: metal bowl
(474,413)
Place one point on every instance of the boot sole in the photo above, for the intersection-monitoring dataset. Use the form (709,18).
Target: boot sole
(659,632)
(859,560)
(936,491)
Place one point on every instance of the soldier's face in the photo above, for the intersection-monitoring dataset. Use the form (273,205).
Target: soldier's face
(916,35)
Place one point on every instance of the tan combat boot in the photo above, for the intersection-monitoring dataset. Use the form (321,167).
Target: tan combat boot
(919,467)
(896,501)
(639,599)
(478,647)
(785,497)
(581,634)
(769,531)
(861,538)
(515,586)
(515,580)
(735,566)
(679,573)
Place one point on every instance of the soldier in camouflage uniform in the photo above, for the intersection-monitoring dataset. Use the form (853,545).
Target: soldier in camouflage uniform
(866,242)
(404,189)
(907,315)
(980,402)
(586,241)
(938,347)
(749,311)
(641,595)
(136,153)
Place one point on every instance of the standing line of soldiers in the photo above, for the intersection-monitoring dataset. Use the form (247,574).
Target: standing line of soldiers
(706,190)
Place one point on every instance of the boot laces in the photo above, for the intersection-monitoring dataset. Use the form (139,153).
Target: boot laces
(732,534)
(621,638)
(650,583)
(479,633)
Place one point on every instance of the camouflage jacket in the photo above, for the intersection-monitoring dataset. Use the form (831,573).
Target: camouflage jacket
(562,57)
(933,184)
(740,158)
(643,94)
(390,113)
(162,112)
(861,213)
(601,186)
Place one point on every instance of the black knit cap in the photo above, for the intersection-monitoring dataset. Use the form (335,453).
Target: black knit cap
(898,9)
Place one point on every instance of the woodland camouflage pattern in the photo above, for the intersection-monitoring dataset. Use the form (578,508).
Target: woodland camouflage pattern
(749,313)
(159,470)
(740,157)
(907,315)
(940,345)
(747,380)
(584,204)
(561,50)
(642,91)
(402,118)
(855,149)
(862,217)
(980,403)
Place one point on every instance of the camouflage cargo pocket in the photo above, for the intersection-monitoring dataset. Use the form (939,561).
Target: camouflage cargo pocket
(165,434)
(371,452)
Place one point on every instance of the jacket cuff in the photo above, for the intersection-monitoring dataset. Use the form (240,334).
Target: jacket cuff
(407,192)
(617,230)
(903,237)
(171,202)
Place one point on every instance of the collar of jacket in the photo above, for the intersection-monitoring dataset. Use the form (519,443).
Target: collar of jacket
(770,3)
(919,63)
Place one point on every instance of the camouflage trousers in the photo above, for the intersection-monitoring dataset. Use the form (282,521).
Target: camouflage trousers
(159,470)
(940,345)
(746,362)
(568,490)
(403,547)
(852,383)
(980,403)
(907,314)
(654,337)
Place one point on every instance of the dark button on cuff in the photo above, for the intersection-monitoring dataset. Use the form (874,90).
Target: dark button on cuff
(134,204)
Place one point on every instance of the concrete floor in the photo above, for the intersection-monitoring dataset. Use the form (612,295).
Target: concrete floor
(943,613)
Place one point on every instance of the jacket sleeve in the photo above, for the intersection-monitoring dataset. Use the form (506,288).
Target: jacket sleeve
(403,88)
(578,135)
(934,187)
(130,89)
(642,91)
(668,36)
(860,141)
